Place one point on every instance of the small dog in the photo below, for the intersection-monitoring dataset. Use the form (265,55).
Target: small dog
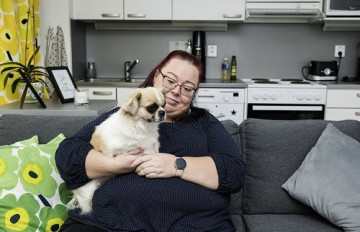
(134,125)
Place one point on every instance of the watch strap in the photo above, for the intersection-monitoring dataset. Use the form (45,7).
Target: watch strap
(179,172)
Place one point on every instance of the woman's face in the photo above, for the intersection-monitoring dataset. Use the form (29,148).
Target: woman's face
(185,74)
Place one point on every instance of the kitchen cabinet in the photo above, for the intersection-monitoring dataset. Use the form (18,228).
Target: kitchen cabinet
(121,9)
(209,10)
(342,104)
(147,10)
(101,93)
(97,10)
(122,93)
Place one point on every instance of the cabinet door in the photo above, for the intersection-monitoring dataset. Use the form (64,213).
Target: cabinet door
(342,114)
(147,9)
(225,10)
(122,93)
(343,98)
(98,10)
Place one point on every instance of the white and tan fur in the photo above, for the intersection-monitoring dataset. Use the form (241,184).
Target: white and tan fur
(134,125)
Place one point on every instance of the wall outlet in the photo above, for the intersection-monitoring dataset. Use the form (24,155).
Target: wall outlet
(177,45)
(339,48)
(211,51)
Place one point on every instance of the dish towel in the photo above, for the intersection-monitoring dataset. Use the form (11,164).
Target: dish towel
(55,49)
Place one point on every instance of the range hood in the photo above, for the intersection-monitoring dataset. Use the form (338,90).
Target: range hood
(283,11)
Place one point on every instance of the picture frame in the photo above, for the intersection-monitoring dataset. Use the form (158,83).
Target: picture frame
(63,83)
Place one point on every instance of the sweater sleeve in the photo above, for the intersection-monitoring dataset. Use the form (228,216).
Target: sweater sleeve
(227,157)
(71,154)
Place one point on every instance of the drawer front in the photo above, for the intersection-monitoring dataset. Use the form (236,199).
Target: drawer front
(122,94)
(342,114)
(102,93)
(343,98)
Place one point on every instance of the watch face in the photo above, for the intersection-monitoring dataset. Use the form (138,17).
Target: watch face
(180,163)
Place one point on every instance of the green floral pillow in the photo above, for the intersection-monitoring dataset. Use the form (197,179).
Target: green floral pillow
(32,194)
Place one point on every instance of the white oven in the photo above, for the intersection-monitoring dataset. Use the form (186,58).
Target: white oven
(223,103)
(286,99)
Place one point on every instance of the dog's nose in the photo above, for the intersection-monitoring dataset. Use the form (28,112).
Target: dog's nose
(162,113)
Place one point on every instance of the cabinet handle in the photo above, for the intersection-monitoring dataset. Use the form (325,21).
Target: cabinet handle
(357,113)
(102,93)
(110,15)
(230,16)
(136,15)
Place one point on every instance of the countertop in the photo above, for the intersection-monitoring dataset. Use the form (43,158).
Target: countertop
(94,108)
(216,83)
(340,84)
(209,83)
(117,83)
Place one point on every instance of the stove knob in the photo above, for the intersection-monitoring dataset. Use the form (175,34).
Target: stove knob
(327,71)
(256,96)
(317,97)
(299,96)
(308,97)
(265,96)
(226,98)
(274,96)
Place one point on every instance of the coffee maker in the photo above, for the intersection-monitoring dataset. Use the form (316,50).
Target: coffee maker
(198,50)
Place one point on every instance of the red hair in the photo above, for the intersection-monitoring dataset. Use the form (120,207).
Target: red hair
(177,54)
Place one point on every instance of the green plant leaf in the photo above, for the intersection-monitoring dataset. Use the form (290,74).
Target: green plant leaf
(14,84)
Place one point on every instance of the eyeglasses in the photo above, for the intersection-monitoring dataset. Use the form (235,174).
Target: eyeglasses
(171,83)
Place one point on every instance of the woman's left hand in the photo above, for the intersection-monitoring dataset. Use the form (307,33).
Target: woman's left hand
(157,165)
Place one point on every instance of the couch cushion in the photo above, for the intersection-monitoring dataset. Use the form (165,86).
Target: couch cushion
(288,223)
(274,150)
(19,127)
(328,179)
(32,194)
(238,223)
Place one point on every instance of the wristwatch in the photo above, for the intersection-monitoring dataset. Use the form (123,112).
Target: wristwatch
(180,165)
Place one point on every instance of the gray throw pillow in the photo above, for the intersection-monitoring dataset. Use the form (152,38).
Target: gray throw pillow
(328,180)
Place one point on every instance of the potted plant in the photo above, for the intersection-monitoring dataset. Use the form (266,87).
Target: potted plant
(33,73)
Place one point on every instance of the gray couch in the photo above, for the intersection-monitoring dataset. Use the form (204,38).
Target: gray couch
(272,150)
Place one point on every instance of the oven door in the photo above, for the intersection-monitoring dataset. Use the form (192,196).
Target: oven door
(285,112)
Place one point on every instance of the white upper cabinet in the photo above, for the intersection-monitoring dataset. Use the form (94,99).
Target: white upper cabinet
(147,10)
(217,10)
(97,10)
(181,10)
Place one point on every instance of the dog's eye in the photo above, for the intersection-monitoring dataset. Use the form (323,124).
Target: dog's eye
(152,108)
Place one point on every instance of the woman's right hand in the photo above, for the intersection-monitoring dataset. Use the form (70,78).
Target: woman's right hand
(98,165)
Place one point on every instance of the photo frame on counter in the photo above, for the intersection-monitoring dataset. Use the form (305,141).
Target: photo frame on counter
(63,83)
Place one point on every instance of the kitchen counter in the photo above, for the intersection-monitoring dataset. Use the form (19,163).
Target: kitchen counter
(94,108)
(341,84)
(118,82)
(216,83)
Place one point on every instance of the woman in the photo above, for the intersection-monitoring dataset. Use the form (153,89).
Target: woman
(185,187)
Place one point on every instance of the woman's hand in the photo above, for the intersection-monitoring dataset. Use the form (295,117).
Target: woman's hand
(158,165)
(99,165)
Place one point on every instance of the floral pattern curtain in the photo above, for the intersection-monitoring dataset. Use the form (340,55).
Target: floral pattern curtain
(19,27)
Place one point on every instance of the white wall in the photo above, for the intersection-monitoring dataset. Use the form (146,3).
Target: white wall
(55,13)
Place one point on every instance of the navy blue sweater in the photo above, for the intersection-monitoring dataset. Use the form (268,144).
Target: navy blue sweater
(135,203)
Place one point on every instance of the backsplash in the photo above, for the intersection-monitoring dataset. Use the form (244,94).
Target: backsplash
(261,50)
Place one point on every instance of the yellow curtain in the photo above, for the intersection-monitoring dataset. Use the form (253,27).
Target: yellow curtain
(19,27)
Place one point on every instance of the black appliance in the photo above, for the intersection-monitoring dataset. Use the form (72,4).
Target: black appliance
(198,50)
(321,70)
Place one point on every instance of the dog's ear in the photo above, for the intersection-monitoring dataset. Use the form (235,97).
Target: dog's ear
(131,103)
(163,91)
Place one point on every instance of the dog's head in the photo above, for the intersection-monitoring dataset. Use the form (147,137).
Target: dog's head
(145,104)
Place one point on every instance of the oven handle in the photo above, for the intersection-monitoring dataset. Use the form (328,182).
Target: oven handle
(287,108)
